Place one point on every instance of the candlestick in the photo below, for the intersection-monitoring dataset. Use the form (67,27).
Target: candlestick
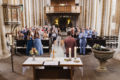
(75,54)
(53,54)
(10,37)
(70,53)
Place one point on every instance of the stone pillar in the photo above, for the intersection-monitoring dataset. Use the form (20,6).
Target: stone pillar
(106,18)
(90,13)
(38,16)
(41,12)
(35,12)
(117,16)
(30,16)
(94,6)
(103,18)
(81,13)
(87,11)
(24,18)
(3,47)
(118,20)
(99,16)
(117,53)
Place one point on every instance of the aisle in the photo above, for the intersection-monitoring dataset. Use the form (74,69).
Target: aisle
(90,64)
(64,35)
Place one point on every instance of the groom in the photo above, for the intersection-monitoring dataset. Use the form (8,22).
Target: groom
(69,42)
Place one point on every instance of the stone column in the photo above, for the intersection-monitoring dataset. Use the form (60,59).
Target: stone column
(119,39)
(30,16)
(118,20)
(24,22)
(87,11)
(117,53)
(43,12)
(117,16)
(3,47)
(38,15)
(94,6)
(81,13)
(106,18)
(99,16)
(103,18)
(35,12)
(90,13)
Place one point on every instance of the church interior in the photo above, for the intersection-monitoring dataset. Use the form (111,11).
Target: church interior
(59,39)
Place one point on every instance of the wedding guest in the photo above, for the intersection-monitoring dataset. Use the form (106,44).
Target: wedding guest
(72,31)
(94,34)
(45,35)
(25,32)
(59,31)
(29,42)
(37,43)
(20,36)
(54,36)
(88,31)
(82,41)
(76,32)
(69,42)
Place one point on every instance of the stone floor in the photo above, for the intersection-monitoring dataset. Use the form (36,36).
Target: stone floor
(90,64)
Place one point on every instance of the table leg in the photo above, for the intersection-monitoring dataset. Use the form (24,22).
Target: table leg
(72,73)
(81,68)
(34,73)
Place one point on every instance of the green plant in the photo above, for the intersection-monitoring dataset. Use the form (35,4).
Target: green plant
(97,47)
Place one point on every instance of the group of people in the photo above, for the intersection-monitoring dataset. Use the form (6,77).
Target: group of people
(61,47)
(76,30)
(73,34)
(43,31)
(34,35)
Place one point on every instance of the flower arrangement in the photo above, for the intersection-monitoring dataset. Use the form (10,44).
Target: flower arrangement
(33,51)
(97,47)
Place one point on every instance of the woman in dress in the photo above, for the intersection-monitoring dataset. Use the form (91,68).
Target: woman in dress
(29,42)
(37,43)
(54,36)
(58,47)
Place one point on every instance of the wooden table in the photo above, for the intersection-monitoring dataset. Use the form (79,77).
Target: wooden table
(56,68)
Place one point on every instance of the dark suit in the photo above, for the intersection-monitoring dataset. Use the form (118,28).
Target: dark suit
(70,42)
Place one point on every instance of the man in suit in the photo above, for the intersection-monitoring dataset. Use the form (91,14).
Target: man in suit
(82,41)
(69,42)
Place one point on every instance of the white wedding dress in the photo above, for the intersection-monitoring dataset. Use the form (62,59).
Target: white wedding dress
(59,49)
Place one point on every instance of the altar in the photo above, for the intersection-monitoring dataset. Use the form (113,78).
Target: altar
(53,68)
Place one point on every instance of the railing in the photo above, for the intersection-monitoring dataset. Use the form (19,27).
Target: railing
(63,9)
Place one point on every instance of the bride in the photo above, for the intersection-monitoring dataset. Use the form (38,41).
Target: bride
(58,47)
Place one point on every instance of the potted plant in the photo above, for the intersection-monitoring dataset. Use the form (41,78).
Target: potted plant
(102,54)
(33,52)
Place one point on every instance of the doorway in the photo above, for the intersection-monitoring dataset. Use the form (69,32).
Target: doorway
(63,22)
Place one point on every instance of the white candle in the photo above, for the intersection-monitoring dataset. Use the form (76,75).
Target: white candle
(69,52)
(75,54)
(10,37)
